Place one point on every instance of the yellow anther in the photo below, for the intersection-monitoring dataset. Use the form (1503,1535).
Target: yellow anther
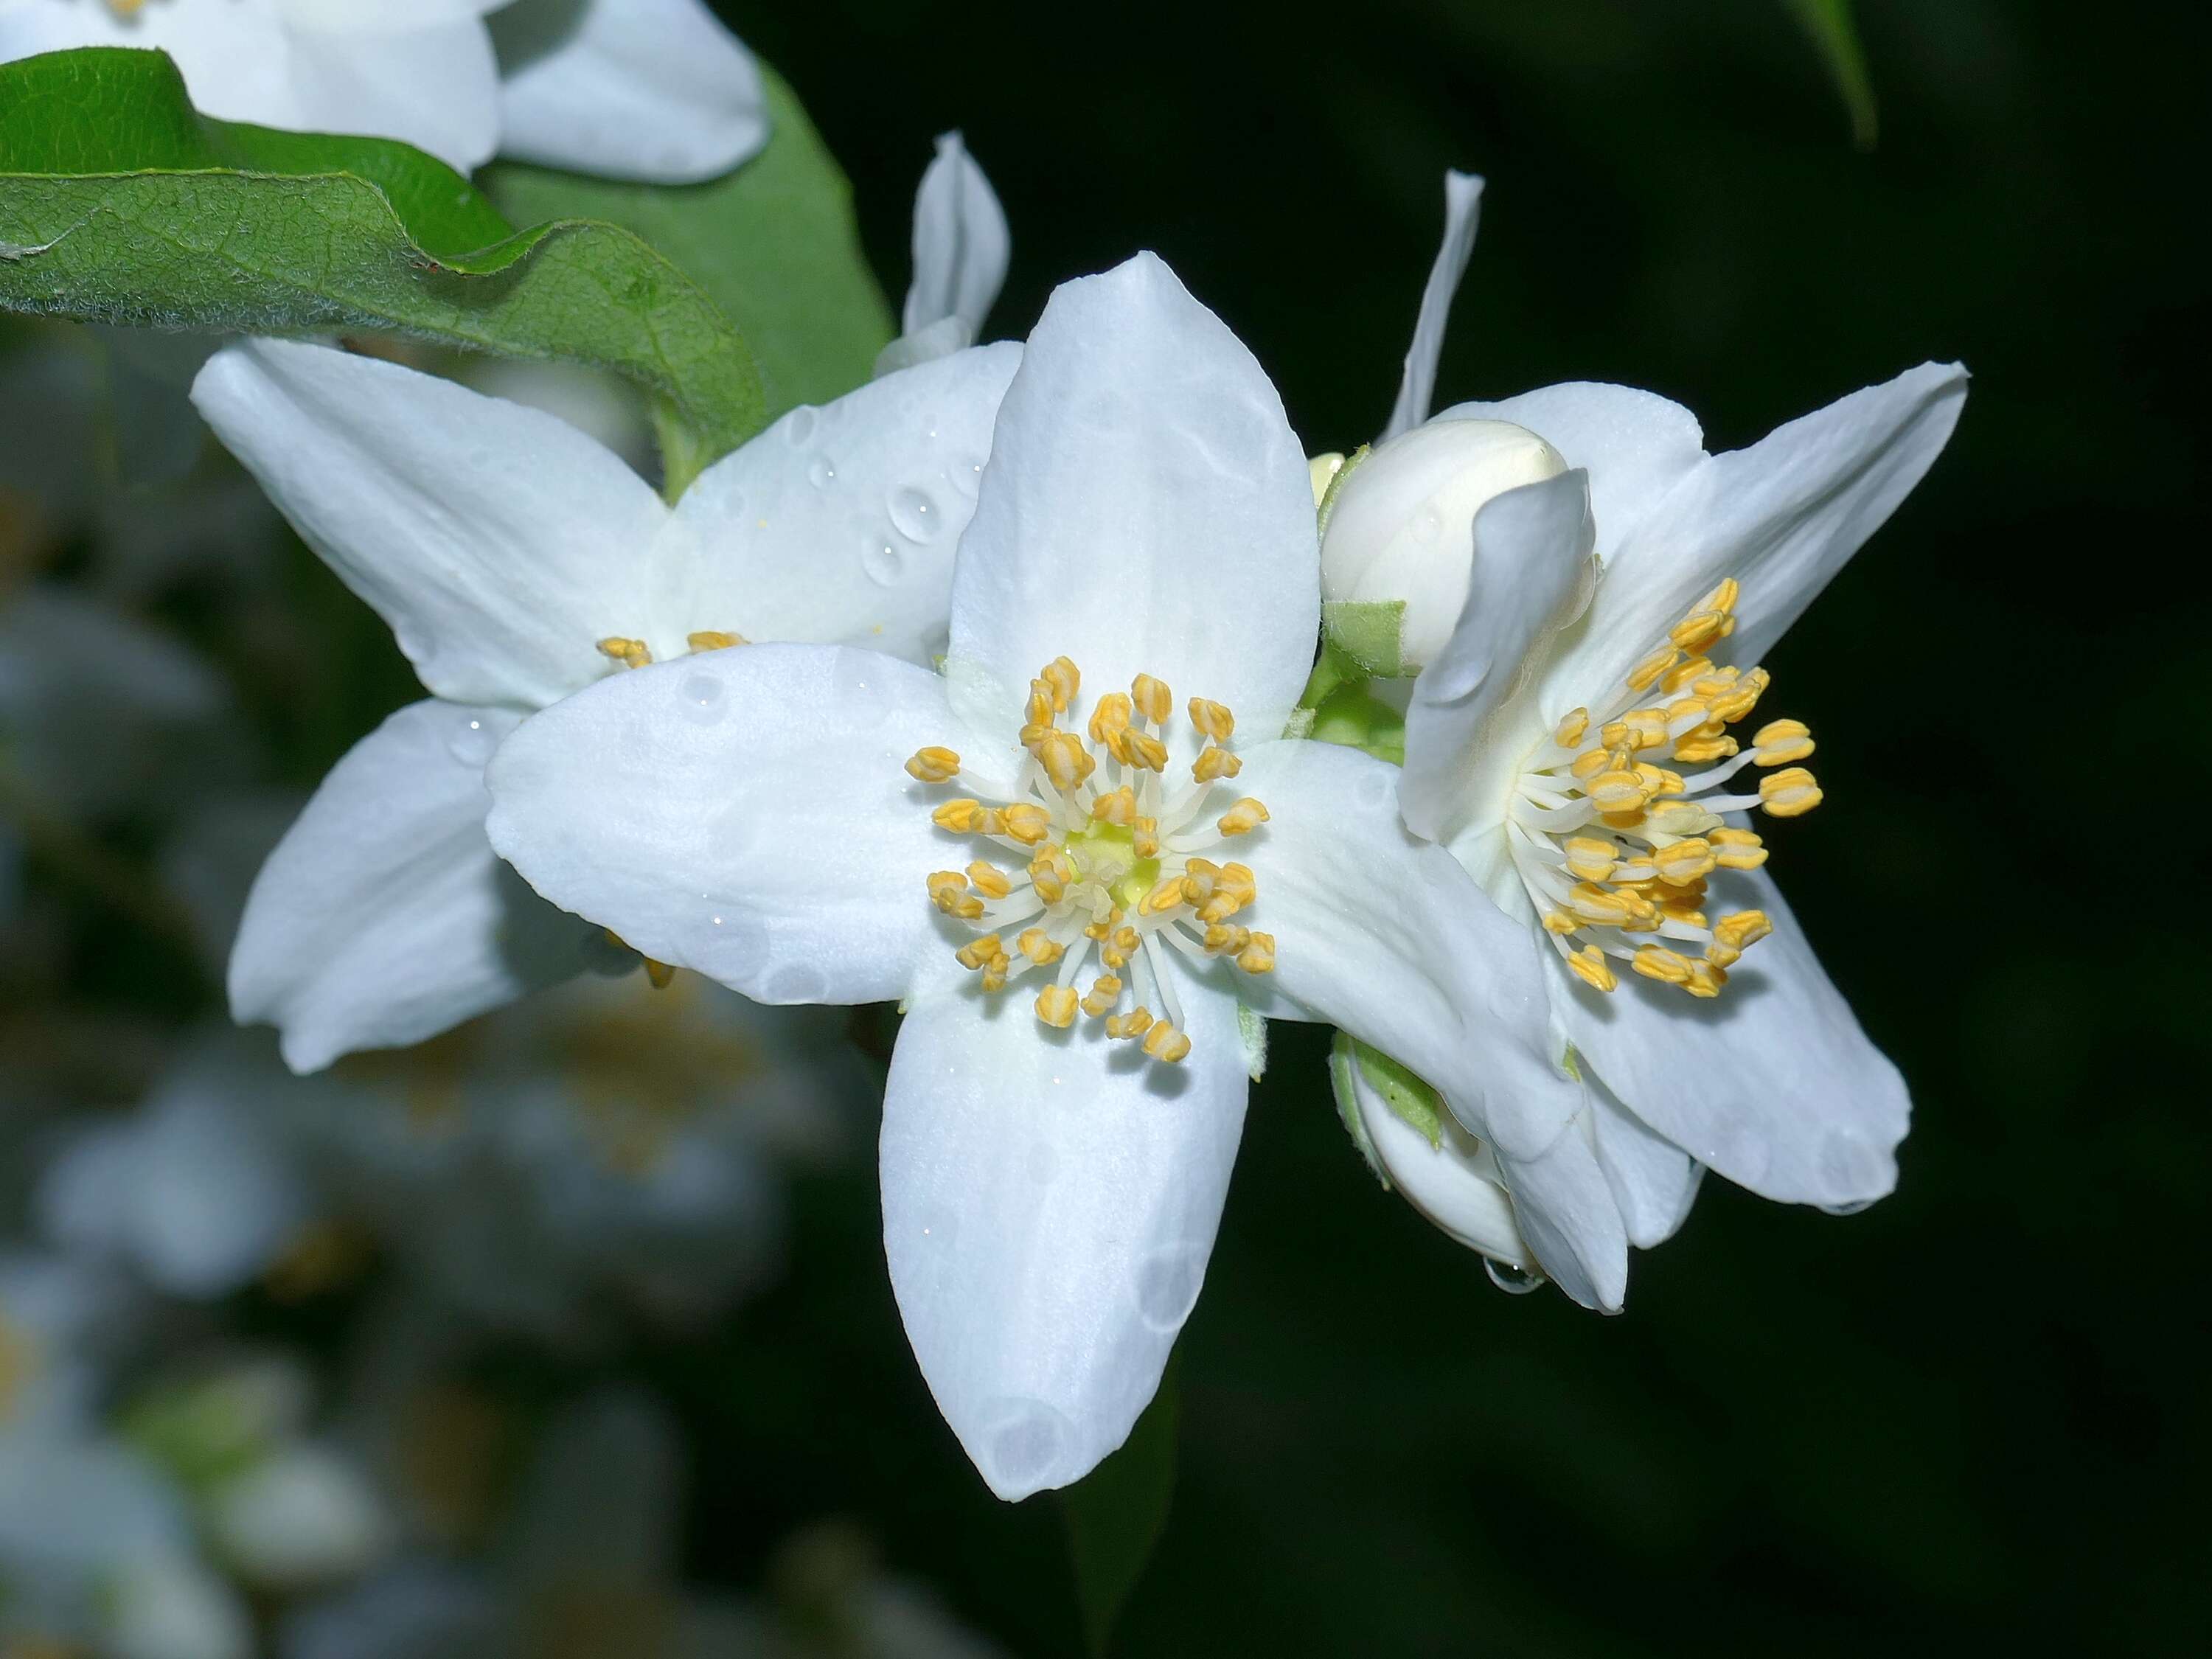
(1656,962)
(1688,672)
(995,971)
(1590,763)
(1588,965)
(1040,712)
(1118,947)
(1242,818)
(1721,956)
(658,974)
(1112,715)
(1139,748)
(1213,720)
(1568,734)
(1026,822)
(1162,1042)
(1213,764)
(1777,743)
(1105,992)
(1737,849)
(1643,915)
(948,891)
(1055,1006)
(1259,956)
(1743,929)
(960,815)
(978,952)
(1617,792)
(1064,678)
(1560,922)
(1067,762)
(1702,628)
(933,765)
(1601,906)
(1589,858)
(1646,673)
(988,879)
(1144,838)
(1740,698)
(1233,889)
(1788,793)
(1638,871)
(1701,748)
(1134,1024)
(1682,817)
(1226,938)
(1706,979)
(1166,895)
(1039,946)
(1639,729)
(1684,861)
(1050,871)
(1116,806)
(630,653)
(1724,597)
(1152,699)
(714,639)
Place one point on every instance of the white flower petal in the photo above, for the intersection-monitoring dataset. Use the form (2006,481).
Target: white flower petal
(384,17)
(1049,1204)
(1147,509)
(1386,937)
(1417,389)
(435,87)
(1570,1219)
(500,543)
(649,90)
(1771,1084)
(1781,517)
(383,916)
(1635,444)
(1531,578)
(961,244)
(237,57)
(747,814)
(837,525)
(1654,1181)
(1453,1181)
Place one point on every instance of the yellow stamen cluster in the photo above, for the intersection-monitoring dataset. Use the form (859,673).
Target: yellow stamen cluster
(636,654)
(1615,826)
(1114,857)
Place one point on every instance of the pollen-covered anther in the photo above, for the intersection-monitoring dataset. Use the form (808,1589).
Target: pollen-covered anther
(714,639)
(630,653)
(1788,793)
(1116,853)
(1737,849)
(1684,861)
(1777,743)
(1588,965)
(933,765)
(1657,961)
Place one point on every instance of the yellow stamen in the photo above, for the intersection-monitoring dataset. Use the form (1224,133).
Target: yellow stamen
(1779,742)
(630,653)
(1789,793)
(1152,699)
(1056,1006)
(933,765)
(1212,719)
(714,639)
(1162,1042)
(1259,956)
(1588,965)
(1656,962)
(1242,818)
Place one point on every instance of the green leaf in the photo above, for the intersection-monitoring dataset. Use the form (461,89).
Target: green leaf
(121,204)
(1834,32)
(1370,632)
(1415,1103)
(1343,1063)
(1115,1514)
(774,243)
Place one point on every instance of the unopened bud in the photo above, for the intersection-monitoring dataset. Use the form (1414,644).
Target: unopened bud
(1401,525)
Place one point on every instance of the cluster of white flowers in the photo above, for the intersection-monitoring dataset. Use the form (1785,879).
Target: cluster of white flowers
(988,689)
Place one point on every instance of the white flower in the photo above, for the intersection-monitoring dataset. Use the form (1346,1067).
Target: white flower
(961,248)
(788,820)
(518,561)
(1581,747)
(652,89)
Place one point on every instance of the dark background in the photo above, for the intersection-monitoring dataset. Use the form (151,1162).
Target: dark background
(1970,1418)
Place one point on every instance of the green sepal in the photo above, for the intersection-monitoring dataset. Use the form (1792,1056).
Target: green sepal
(1369,632)
(1252,1028)
(1327,504)
(1355,719)
(119,203)
(1342,1073)
(1416,1104)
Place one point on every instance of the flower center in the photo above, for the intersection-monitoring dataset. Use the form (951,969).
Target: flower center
(1611,840)
(1113,860)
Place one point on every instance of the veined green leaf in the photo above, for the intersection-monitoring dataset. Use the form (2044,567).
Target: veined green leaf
(1835,32)
(121,204)
(773,242)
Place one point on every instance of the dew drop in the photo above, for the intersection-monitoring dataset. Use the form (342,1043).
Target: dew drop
(940,1228)
(1028,1444)
(915,515)
(1168,1285)
(821,471)
(799,426)
(1851,1208)
(795,982)
(1513,1281)
(882,563)
(472,743)
(1429,526)
(700,697)
(861,689)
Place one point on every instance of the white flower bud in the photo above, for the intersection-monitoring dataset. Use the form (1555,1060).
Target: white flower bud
(1402,526)
(1454,1182)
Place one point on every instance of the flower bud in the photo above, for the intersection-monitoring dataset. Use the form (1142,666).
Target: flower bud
(1402,525)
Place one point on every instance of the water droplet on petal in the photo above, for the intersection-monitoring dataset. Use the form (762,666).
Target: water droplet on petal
(859,680)
(914,514)
(939,1227)
(1513,1281)
(881,562)
(1428,526)
(799,426)
(700,697)
(1027,1445)
(472,743)
(797,981)
(1168,1285)
(821,471)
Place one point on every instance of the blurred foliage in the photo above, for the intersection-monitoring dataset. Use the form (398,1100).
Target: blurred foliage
(1835,33)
